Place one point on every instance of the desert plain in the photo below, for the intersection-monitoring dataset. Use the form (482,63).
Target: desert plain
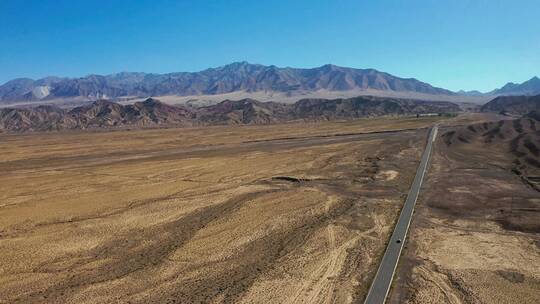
(283,213)
(286,213)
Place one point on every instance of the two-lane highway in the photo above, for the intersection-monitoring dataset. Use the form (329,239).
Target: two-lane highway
(383,279)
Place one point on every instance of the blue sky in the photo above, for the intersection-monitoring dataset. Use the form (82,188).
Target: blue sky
(452,44)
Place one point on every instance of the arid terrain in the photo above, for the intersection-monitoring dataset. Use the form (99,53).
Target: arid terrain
(286,213)
(153,113)
(475,235)
(269,152)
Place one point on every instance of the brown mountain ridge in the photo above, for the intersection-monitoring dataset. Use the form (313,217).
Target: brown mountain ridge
(517,105)
(153,113)
(519,139)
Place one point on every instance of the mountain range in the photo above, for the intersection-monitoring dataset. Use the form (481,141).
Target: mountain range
(153,113)
(235,77)
(246,80)
(529,87)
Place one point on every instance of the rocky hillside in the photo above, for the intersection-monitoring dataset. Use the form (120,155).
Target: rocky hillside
(529,87)
(153,113)
(235,77)
(365,106)
(518,105)
(519,139)
(100,114)
(246,111)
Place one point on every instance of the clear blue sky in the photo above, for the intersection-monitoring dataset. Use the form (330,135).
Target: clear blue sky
(453,44)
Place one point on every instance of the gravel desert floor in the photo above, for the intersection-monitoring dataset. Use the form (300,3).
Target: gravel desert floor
(287,213)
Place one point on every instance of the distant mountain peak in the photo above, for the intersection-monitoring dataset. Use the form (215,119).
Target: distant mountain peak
(234,77)
(239,64)
(533,81)
(529,87)
(330,66)
(470,93)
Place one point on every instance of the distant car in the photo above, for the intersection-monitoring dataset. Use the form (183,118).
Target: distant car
(398,241)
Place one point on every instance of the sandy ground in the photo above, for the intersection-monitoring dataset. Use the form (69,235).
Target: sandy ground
(462,248)
(206,100)
(289,213)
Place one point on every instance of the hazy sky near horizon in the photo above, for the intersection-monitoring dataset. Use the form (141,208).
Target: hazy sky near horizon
(462,44)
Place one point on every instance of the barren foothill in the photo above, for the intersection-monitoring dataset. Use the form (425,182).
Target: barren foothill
(475,236)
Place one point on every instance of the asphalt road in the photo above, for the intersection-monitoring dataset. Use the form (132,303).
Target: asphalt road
(383,279)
